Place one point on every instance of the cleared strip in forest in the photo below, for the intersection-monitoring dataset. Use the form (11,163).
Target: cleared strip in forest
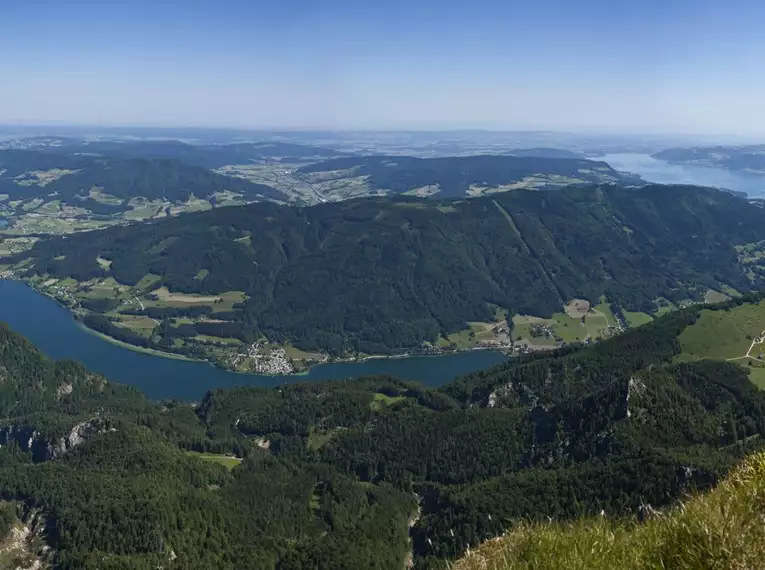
(509,217)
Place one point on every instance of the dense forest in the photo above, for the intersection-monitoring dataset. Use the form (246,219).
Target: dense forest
(123,178)
(455,175)
(333,474)
(380,275)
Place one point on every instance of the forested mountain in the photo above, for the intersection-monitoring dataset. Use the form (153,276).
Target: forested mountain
(379,275)
(458,176)
(546,152)
(205,156)
(749,158)
(70,178)
(108,471)
(332,473)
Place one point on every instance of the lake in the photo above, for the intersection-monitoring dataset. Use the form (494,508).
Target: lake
(56,333)
(3,223)
(661,172)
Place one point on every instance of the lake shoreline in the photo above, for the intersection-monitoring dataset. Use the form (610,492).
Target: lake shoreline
(133,347)
(659,171)
(505,350)
(303,372)
(59,336)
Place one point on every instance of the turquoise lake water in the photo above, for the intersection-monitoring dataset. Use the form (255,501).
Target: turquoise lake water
(57,334)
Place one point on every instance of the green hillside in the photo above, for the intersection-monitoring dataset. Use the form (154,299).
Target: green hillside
(329,474)
(382,275)
(465,176)
(725,334)
(30,174)
(719,530)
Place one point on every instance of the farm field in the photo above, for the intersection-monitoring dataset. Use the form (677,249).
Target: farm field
(280,176)
(636,319)
(713,297)
(757,374)
(382,400)
(577,323)
(479,334)
(725,334)
(225,460)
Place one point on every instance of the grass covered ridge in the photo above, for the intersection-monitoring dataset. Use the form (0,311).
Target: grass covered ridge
(721,529)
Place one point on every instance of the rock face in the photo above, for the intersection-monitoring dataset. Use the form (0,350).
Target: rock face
(64,390)
(27,545)
(635,388)
(45,447)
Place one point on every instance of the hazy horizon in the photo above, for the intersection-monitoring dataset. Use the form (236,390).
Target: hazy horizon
(591,67)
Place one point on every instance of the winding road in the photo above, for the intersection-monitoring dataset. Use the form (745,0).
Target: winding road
(757,340)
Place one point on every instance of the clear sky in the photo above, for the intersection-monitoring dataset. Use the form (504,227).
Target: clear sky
(690,66)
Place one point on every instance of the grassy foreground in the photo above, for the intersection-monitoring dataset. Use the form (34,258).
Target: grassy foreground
(720,530)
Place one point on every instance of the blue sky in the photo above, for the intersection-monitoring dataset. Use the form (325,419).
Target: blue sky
(689,66)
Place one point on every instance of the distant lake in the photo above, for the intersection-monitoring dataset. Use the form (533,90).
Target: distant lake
(56,333)
(661,172)
(3,223)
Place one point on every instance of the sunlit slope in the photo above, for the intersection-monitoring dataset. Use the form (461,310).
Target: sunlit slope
(722,529)
(733,333)
(724,334)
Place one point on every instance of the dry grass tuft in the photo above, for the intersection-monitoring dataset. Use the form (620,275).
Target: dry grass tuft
(721,530)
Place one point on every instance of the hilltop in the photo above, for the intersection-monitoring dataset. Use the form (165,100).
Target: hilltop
(328,474)
(386,275)
(747,158)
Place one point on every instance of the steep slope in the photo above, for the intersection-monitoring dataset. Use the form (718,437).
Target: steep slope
(611,427)
(49,407)
(381,275)
(471,175)
(327,473)
(106,470)
(721,529)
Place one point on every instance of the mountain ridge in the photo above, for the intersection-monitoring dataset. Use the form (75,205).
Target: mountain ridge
(459,176)
(399,270)
(122,178)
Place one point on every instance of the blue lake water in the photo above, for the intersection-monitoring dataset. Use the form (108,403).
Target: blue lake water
(659,171)
(3,223)
(56,333)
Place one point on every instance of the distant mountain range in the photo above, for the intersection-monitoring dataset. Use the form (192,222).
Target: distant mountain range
(468,175)
(381,275)
(209,156)
(546,152)
(102,177)
(740,158)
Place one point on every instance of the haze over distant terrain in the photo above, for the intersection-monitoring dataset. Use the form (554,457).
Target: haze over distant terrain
(685,66)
